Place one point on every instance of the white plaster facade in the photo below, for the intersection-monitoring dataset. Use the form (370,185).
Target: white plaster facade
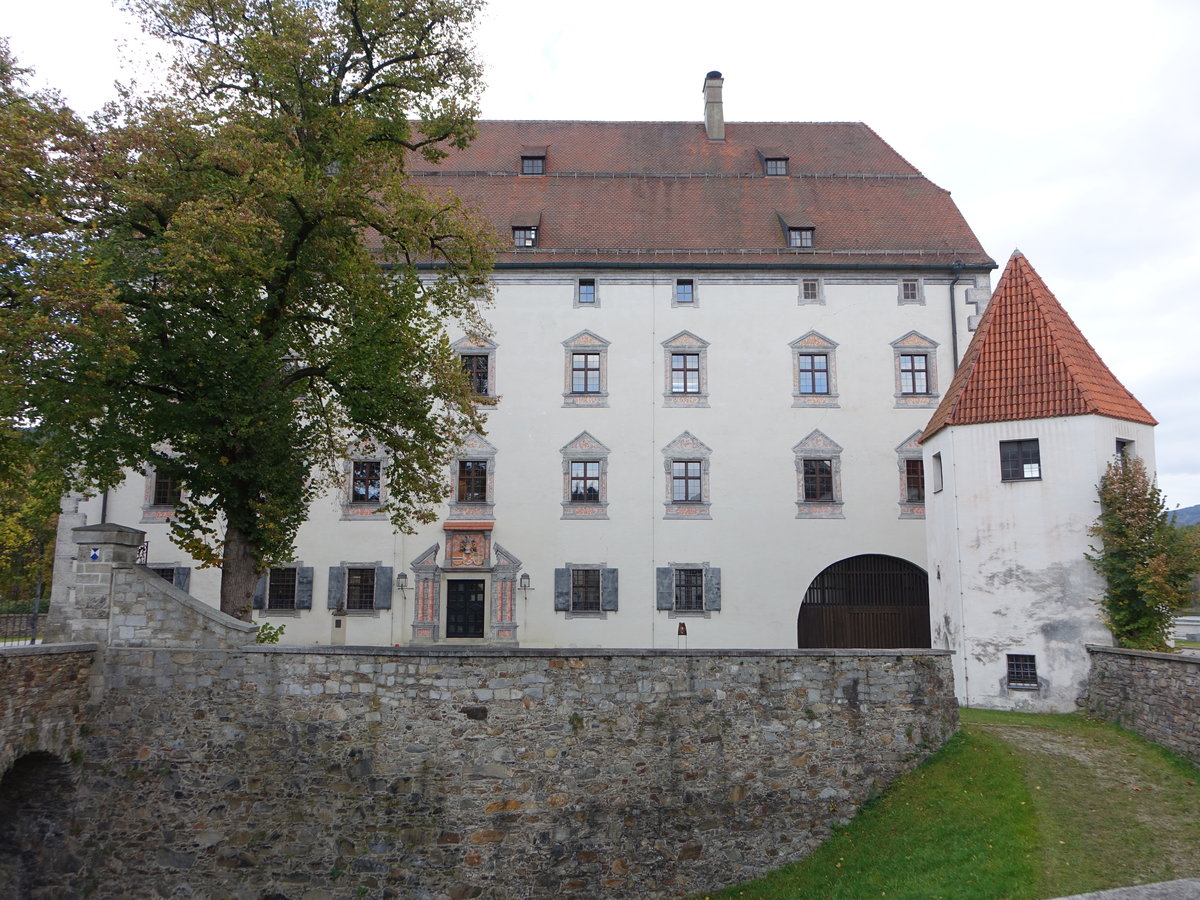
(1007,572)
(763,552)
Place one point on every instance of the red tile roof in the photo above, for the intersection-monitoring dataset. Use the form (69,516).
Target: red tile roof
(661,193)
(1028,360)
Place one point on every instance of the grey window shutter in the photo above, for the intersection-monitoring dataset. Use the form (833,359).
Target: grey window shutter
(183,578)
(304,585)
(712,589)
(562,590)
(337,586)
(664,582)
(383,587)
(260,592)
(608,590)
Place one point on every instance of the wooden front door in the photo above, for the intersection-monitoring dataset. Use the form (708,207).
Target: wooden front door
(464,608)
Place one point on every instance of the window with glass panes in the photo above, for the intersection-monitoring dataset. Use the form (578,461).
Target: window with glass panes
(365,481)
(1020,460)
(587,290)
(281,589)
(914,373)
(472,481)
(360,589)
(585,481)
(475,365)
(689,589)
(814,373)
(686,486)
(585,373)
(818,480)
(585,590)
(914,480)
(811,289)
(167,489)
(685,373)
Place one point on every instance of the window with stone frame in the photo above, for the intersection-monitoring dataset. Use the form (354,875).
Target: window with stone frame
(814,371)
(686,461)
(366,481)
(911,472)
(685,366)
(812,291)
(688,589)
(167,490)
(472,481)
(684,293)
(284,589)
(359,587)
(478,357)
(473,475)
(586,589)
(585,293)
(586,369)
(180,576)
(585,478)
(912,290)
(818,477)
(477,368)
(916,382)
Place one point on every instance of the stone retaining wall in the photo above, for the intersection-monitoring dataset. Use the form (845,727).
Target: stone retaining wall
(367,772)
(43,699)
(1155,694)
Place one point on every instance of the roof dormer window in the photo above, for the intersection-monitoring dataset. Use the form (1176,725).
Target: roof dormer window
(775,165)
(800,238)
(533,165)
(525,237)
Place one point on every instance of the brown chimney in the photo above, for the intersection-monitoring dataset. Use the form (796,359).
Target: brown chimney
(714,114)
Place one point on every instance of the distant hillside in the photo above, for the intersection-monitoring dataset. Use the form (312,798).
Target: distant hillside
(1189,515)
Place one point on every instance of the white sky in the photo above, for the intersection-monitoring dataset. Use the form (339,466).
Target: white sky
(1066,128)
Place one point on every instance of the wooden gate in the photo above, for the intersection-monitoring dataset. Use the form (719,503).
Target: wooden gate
(866,602)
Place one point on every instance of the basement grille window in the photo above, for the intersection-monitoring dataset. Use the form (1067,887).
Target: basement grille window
(1022,672)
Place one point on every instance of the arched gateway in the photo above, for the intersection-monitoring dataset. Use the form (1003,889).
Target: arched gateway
(863,602)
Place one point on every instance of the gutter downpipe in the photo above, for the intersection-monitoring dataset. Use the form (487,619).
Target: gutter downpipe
(956,274)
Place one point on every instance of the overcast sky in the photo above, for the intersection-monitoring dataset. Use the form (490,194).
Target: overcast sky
(1069,130)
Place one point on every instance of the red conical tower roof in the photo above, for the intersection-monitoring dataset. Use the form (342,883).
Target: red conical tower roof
(1028,360)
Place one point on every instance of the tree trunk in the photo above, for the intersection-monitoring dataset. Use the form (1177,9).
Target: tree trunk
(239,572)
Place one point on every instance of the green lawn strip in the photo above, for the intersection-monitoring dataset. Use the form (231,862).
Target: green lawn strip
(1017,805)
(961,826)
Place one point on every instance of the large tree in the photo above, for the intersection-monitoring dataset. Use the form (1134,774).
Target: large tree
(1147,562)
(270,292)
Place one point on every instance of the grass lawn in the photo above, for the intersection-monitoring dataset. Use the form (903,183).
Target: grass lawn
(1014,806)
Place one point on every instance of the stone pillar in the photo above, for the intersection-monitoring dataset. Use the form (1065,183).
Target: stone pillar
(69,518)
(81,612)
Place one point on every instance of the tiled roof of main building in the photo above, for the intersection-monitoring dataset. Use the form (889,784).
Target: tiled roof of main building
(1028,360)
(663,193)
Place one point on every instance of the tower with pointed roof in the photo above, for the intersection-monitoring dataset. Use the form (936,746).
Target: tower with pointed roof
(1013,454)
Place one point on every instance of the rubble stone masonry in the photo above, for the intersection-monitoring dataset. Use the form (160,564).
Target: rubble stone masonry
(1156,695)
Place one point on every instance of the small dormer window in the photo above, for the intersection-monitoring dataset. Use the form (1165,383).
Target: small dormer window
(525,237)
(776,165)
(533,165)
(800,237)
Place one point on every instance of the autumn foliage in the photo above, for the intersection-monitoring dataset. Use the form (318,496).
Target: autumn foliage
(1146,561)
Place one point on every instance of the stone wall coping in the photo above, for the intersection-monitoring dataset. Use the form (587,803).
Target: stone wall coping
(1188,658)
(47,649)
(212,614)
(108,533)
(416,652)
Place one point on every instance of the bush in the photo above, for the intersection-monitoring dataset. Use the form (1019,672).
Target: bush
(1146,562)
